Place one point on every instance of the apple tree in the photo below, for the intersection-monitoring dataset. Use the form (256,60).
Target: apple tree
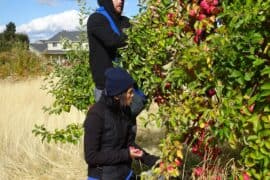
(206,64)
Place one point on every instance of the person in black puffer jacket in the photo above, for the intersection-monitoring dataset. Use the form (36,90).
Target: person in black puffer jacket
(109,145)
(104,41)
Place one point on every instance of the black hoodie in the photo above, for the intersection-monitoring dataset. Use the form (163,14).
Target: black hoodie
(103,41)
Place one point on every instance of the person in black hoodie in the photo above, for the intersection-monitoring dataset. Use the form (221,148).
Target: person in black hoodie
(108,143)
(104,40)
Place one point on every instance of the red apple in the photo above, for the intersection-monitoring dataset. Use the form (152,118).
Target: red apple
(170,16)
(192,13)
(204,5)
(170,168)
(196,39)
(195,149)
(246,176)
(198,171)
(167,85)
(178,162)
(251,108)
(161,164)
(170,34)
(201,17)
(211,92)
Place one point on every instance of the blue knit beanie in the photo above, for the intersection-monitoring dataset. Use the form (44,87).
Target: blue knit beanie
(117,81)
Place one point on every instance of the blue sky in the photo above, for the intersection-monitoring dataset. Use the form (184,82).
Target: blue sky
(41,19)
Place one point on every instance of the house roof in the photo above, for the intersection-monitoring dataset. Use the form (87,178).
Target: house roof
(40,47)
(71,35)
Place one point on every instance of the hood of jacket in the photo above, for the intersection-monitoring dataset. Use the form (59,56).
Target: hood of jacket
(108,5)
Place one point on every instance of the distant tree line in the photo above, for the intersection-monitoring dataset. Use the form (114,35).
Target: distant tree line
(16,61)
(9,38)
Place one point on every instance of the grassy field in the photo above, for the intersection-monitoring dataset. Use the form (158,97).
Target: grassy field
(23,156)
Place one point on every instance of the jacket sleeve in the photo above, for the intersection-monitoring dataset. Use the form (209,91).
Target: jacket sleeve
(147,159)
(100,27)
(92,142)
(124,23)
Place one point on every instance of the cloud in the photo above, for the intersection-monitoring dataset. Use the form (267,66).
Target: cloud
(47,2)
(47,26)
(2,28)
(51,2)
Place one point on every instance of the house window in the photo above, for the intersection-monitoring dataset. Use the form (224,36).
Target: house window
(54,44)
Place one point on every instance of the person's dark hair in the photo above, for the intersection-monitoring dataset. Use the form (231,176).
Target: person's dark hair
(117,105)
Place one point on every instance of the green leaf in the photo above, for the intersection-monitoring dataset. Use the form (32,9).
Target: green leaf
(235,74)
(255,174)
(266,86)
(266,162)
(256,155)
(265,93)
(265,152)
(252,138)
(43,138)
(252,100)
(49,137)
(264,133)
(249,162)
(232,140)
(258,62)
(248,76)
(267,144)
(265,89)
(256,38)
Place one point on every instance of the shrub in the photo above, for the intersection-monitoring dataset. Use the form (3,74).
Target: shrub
(206,63)
(20,63)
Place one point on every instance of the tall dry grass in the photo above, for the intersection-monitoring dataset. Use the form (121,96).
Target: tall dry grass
(23,156)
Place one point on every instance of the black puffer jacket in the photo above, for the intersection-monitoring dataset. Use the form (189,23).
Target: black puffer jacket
(107,138)
(103,41)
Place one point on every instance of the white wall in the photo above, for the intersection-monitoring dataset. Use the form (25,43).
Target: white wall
(57,47)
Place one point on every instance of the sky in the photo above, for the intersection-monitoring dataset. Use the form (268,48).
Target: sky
(41,19)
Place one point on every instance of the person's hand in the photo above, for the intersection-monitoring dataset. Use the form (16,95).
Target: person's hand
(135,153)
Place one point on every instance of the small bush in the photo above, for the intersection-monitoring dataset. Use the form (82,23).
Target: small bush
(20,63)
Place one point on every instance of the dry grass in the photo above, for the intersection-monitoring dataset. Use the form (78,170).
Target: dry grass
(23,156)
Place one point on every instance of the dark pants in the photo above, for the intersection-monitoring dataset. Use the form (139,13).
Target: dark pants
(111,176)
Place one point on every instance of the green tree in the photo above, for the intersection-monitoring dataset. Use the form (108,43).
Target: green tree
(71,86)
(206,63)
(9,38)
(10,31)
(2,42)
(22,38)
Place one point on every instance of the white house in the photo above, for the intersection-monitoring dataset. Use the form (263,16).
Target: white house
(53,47)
